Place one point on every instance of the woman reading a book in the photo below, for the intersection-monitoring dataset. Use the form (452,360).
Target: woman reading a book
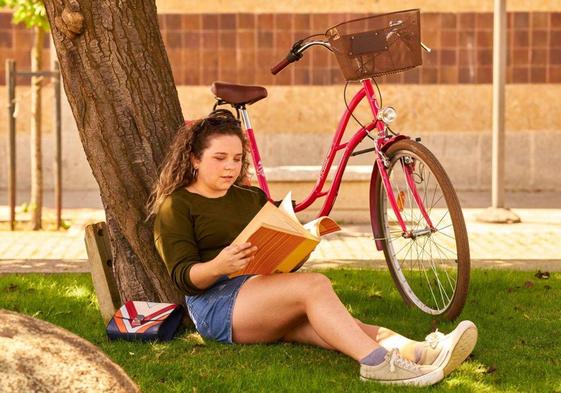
(202,202)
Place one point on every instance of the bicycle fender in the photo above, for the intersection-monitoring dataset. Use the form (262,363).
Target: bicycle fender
(374,197)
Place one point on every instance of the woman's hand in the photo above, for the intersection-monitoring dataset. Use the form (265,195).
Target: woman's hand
(234,258)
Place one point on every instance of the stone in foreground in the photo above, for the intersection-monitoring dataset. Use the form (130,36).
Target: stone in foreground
(38,356)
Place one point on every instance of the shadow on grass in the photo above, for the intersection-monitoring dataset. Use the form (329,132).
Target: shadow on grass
(517,315)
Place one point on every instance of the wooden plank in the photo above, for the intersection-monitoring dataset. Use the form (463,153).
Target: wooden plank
(10,80)
(101,267)
(58,146)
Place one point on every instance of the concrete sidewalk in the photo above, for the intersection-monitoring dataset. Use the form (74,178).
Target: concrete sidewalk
(533,244)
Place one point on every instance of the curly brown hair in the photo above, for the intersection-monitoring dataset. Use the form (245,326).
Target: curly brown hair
(192,140)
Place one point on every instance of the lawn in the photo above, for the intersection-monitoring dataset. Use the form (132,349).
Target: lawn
(517,313)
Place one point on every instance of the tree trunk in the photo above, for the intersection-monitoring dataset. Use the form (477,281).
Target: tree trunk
(120,87)
(36,202)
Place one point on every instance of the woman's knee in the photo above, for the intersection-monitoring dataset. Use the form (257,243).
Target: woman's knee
(317,282)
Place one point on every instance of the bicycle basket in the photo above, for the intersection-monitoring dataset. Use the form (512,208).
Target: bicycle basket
(377,45)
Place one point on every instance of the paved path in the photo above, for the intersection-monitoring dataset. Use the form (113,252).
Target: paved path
(533,244)
(537,237)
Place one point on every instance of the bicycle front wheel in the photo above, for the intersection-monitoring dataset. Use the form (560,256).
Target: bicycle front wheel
(429,267)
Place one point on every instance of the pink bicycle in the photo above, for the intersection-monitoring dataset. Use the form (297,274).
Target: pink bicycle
(415,214)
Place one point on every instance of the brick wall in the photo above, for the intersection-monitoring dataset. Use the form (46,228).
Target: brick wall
(241,47)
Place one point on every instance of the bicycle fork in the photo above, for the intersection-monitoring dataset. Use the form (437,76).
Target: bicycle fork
(408,168)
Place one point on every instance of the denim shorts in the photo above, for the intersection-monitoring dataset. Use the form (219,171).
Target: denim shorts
(211,311)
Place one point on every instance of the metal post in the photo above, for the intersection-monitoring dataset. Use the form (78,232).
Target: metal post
(498,213)
(58,145)
(11,80)
(499,66)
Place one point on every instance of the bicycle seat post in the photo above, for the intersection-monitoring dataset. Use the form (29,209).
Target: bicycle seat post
(245,117)
(257,163)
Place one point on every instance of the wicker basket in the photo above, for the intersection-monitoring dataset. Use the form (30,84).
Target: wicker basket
(377,45)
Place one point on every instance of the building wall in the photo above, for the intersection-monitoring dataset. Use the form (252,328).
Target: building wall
(311,6)
(447,101)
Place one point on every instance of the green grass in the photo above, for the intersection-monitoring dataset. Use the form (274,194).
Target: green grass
(519,326)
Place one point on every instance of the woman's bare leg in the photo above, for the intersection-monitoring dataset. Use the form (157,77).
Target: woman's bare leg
(304,333)
(390,339)
(269,307)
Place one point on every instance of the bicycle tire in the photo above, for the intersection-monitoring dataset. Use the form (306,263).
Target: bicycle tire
(452,308)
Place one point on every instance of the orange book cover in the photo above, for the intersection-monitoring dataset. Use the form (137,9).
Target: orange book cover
(282,241)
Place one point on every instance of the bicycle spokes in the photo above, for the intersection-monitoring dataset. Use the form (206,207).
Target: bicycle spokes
(424,255)
(397,198)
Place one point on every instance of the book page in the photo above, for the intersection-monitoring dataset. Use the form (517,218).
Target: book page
(271,216)
(318,227)
(282,241)
(286,206)
(322,226)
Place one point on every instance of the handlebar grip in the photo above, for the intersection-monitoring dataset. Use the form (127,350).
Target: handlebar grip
(280,66)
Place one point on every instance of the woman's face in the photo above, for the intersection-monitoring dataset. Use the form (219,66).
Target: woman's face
(220,165)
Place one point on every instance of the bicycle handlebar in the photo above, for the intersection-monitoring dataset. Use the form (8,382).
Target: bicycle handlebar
(296,53)
(280,66)
(298,48)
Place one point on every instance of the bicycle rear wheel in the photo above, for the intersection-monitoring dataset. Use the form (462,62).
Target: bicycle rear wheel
(430,269)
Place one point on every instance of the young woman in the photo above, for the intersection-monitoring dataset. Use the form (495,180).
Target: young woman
(201,202)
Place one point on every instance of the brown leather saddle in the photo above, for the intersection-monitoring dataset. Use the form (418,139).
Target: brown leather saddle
(238,95)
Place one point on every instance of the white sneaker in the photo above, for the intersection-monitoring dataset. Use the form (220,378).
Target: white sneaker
(429,350)
(396,370)
(455,346)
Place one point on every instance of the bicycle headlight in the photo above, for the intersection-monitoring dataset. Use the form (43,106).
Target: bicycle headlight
(387,114)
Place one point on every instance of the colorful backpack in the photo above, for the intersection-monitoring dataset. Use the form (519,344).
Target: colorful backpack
(145,321)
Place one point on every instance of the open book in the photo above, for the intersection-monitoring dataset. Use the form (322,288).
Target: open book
(282,241)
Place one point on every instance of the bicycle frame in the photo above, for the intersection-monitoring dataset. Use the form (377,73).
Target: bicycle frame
(382,142)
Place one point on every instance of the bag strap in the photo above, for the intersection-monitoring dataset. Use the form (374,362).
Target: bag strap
(139,319)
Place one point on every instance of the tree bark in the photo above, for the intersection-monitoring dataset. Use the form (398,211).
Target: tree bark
(120,87)
(36,200)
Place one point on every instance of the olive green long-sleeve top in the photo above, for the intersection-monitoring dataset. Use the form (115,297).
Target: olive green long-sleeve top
(190,228)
